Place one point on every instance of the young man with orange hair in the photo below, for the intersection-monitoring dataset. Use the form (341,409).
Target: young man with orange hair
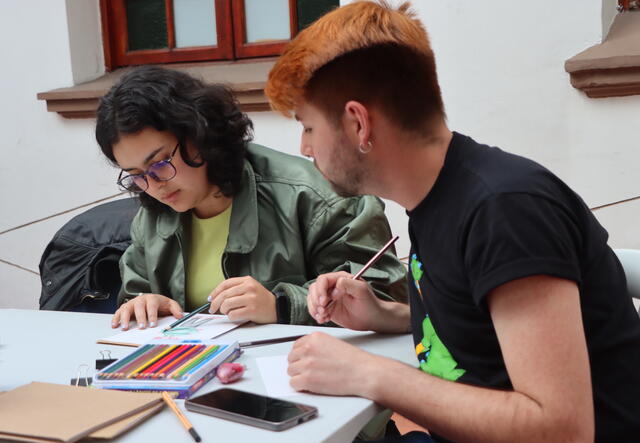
(522,322)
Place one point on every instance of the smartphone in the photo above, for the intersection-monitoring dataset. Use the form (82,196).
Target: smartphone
(252,409)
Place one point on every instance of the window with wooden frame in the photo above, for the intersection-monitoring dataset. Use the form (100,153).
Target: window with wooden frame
(168,31)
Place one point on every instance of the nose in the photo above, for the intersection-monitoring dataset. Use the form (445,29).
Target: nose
(154,184)
(305,148)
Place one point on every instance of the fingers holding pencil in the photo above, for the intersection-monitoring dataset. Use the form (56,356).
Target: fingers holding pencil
(354,302)
(351,294)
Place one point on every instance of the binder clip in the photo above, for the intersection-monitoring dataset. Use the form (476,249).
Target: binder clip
(105,361)
(82,381)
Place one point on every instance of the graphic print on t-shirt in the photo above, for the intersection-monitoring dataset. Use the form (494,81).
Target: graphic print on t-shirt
(433,355)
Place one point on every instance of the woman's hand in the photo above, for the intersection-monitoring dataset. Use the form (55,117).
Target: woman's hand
(243,298)
(146,308)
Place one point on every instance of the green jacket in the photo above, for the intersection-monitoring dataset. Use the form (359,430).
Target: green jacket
(287,227)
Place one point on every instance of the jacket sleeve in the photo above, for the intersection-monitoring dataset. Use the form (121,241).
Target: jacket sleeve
(133,269)
(343,236)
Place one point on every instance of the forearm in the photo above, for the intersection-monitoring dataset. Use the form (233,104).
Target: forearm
(462,412)
(393,318)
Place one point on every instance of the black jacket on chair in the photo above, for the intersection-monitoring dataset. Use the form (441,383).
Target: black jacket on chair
(79,267)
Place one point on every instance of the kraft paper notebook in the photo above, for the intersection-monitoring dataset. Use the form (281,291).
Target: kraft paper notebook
(107,433)
(61,413)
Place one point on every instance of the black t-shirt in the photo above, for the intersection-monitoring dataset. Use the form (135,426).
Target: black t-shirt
(493,217)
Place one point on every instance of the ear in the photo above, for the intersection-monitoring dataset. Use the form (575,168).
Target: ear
(357,122)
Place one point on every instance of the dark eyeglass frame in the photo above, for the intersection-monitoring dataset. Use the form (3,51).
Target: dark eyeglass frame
(149,172)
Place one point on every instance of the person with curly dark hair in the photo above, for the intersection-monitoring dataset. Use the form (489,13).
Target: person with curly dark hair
(223,219)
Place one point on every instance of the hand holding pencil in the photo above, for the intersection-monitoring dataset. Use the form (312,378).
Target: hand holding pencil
(344,299)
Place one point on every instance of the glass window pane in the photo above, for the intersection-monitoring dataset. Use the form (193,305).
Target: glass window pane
(267,20)
(311,10)
(146,24)
(195,23)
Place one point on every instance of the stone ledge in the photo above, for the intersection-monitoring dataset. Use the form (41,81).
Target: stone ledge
(611,68)
(246,80)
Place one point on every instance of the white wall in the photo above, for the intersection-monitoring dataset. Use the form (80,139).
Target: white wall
(47,164)
(501,71)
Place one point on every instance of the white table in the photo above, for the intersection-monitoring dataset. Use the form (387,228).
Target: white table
(67,340)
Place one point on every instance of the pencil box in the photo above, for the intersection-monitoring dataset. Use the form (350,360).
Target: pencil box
(167,365)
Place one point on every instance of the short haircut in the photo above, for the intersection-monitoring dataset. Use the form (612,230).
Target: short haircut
(364,51)
(207,116)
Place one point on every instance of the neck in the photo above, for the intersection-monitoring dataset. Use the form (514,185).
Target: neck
(212,206)
(409,165)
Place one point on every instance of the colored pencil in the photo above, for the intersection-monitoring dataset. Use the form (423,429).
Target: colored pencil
(127,369)
(180,360)
(187,369)
(167,360)
(269,341)
(187,317)
(151,361)
(187,362)
(370,263)
(124,361)
(207,359)
(154,368)
(185,422)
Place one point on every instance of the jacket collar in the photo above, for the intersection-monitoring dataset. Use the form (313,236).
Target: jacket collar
(243,227)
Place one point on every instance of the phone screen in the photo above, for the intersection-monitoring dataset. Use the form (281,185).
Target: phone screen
(251,405)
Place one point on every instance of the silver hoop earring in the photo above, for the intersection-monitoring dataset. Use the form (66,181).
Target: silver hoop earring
(363,150)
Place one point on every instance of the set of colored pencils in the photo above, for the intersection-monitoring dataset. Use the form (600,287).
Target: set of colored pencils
(175,362)
(167,365)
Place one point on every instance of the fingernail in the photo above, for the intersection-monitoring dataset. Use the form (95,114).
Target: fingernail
(152,324)
(209,298)
(142,325)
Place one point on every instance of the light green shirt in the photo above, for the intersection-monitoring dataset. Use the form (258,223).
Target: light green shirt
(204,264)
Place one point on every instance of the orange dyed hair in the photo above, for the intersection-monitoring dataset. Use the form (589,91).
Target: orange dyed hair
(337,59)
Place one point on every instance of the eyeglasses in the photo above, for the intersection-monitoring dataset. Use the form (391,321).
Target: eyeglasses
(161,171)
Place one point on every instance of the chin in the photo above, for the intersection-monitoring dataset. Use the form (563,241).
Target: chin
(179,207)
(344,191)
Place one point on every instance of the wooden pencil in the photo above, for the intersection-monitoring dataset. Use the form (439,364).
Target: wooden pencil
(185,422)
(180,360)
(151,370)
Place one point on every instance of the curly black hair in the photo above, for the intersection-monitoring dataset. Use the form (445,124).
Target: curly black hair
(207,116)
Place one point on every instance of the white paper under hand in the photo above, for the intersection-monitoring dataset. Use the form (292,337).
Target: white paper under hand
(274,375)
(198,327)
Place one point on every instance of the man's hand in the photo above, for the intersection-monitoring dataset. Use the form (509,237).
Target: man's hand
(323,364)
(243,298)
(349,303)
(146,307)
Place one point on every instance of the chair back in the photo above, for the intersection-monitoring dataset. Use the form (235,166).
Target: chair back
(630,259)
(79,267)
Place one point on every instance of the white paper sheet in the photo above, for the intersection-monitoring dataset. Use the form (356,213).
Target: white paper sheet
(199,327)
(274,375)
